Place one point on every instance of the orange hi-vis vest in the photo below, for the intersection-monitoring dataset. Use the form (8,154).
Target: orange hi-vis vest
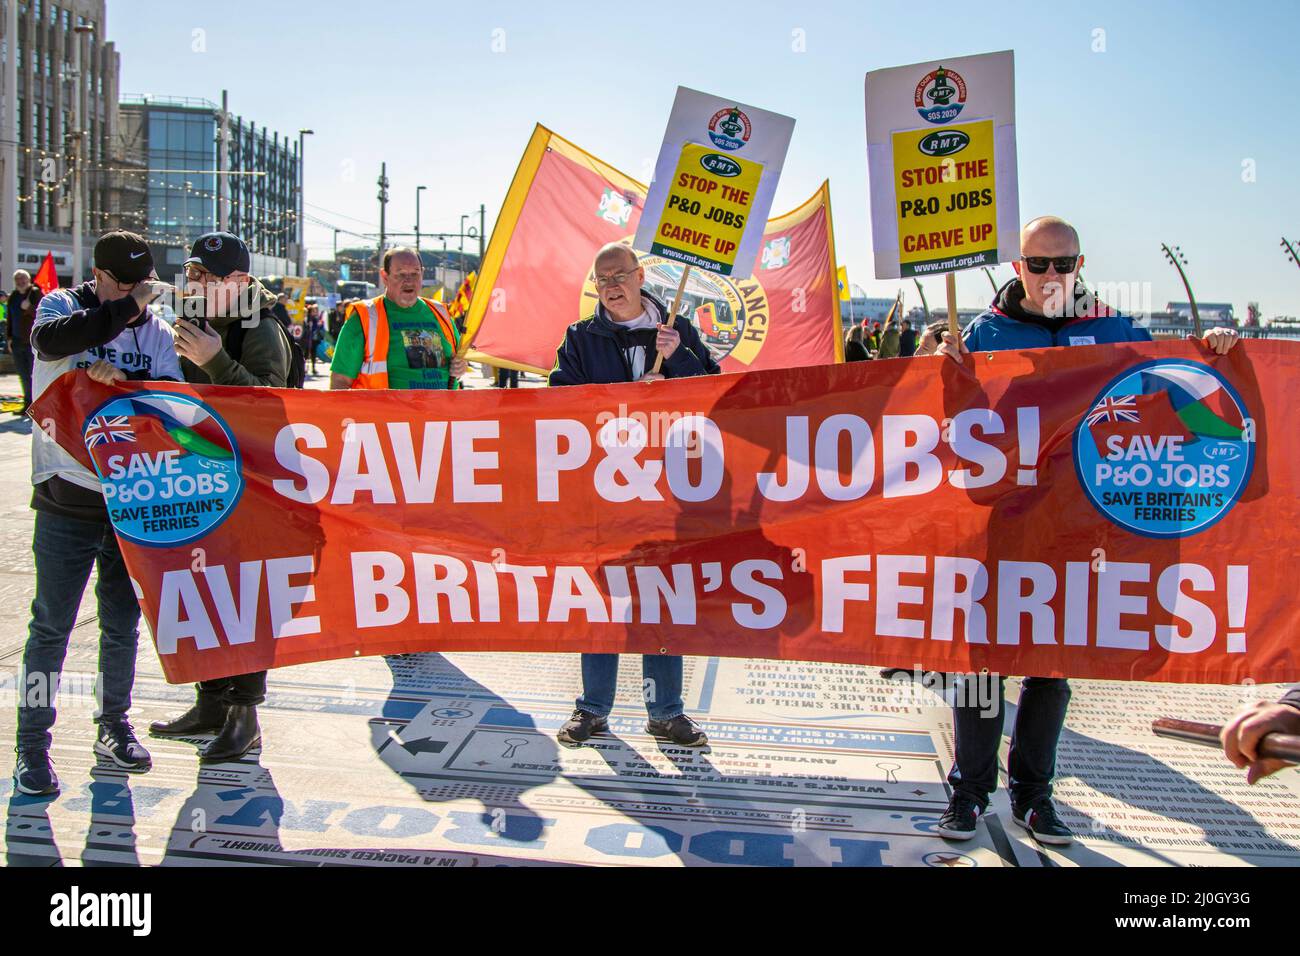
(374,329)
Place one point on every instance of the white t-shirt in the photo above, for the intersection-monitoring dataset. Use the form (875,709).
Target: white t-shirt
(637,354)
(147,347)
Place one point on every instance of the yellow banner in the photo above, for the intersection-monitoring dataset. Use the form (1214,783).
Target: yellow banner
(707,207)
(947,198)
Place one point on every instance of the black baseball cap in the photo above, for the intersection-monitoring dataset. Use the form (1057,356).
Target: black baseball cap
(221,253)
(125,255)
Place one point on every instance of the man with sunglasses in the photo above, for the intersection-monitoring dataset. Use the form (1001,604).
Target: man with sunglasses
(102,326)
(227,335)
(1045,305)
(619,344)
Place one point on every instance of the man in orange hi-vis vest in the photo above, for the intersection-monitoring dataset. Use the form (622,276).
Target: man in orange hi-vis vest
(398,340)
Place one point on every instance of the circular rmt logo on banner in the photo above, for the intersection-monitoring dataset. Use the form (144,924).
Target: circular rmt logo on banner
(1166,449)
(730,128)
(732,316)
(169,464)
(940,96)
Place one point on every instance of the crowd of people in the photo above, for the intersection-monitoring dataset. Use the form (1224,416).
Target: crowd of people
(402,340)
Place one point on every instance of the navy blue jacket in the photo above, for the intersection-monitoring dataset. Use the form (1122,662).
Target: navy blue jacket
(594,350)
(1005,325)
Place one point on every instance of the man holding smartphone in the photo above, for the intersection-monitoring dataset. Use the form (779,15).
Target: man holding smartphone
(227,335)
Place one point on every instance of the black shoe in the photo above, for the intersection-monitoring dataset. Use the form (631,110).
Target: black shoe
(207,716)
(34,775)
(958,821)
(1043,823)
(238,736)
(680,730)
(580,727)
(117,742)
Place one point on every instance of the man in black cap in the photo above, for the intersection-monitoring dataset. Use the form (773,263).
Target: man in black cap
(227,335)
(102,326)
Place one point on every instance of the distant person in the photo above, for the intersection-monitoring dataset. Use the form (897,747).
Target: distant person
(907,340)
(854,349)
(281,311)
(20,315)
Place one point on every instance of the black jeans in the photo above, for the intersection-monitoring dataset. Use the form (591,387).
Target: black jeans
(244,689)
(24,358)
(1031,764)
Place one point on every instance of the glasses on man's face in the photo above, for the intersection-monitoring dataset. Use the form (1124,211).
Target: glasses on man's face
(409,276)
(196,273)
(1062,264)
(618,278)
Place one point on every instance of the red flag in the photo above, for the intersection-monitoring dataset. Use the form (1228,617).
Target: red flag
(564,204)
(46,280)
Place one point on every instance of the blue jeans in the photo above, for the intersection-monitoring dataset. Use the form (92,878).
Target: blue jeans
(1031,763)
(65,550)
(662,690)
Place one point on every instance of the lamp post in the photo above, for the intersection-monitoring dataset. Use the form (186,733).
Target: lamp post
(1178,260)
(78,151)
(302,245)
(418,190)
(924,307)
(1290,252)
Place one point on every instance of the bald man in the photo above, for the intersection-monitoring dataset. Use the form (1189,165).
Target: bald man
(1045,305)
(619,343)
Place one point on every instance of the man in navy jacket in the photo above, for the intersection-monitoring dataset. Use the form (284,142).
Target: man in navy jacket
(1044,306)
(619,343)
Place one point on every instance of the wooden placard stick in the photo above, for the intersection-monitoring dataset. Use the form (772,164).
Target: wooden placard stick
(950,283)
(672,315)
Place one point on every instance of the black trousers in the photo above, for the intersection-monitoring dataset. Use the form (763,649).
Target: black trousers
(244,689)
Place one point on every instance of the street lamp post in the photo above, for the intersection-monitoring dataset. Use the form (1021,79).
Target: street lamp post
(1178,260)
(418,190)
(925,308)
(78,152)
(302,244)
(1290,252)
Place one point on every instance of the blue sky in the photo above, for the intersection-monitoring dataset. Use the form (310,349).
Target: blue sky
(1141,143)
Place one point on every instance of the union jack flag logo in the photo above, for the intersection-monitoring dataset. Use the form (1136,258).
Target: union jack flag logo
(109,428)
(1115,409)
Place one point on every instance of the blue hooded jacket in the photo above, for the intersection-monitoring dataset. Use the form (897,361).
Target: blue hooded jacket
(595,350)
(1006,325)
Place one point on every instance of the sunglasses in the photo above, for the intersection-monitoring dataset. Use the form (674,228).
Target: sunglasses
(1062,264)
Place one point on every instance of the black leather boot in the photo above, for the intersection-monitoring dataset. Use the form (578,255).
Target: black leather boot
(240,734)
(207,716)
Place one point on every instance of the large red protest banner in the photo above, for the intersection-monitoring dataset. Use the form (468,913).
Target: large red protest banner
(564,204)
(1107,511)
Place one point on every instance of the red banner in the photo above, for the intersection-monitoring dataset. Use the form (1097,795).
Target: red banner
(1106,511)
(564,204)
